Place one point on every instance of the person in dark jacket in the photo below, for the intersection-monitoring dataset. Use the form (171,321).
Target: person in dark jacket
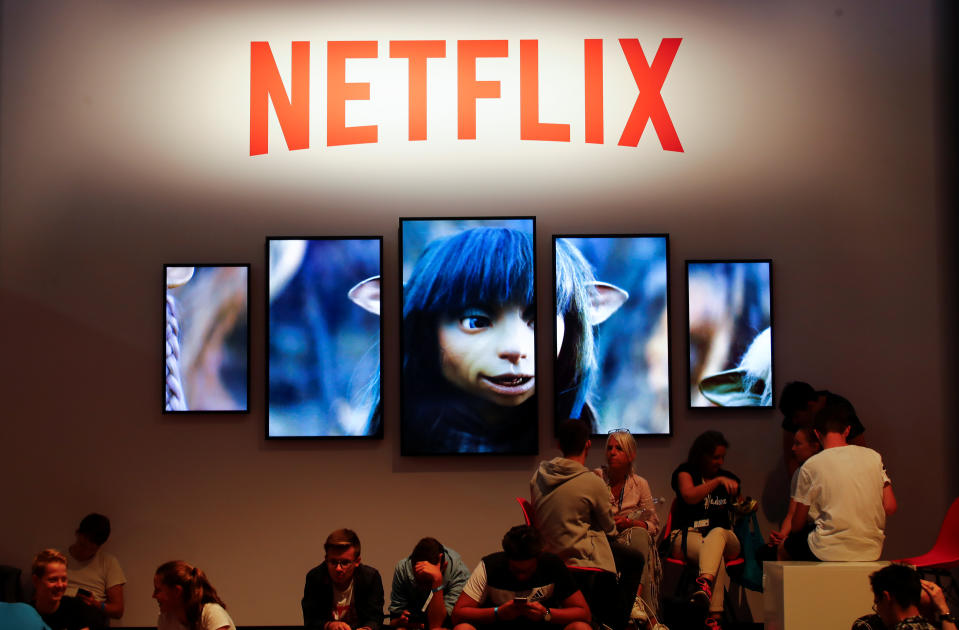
(341,593)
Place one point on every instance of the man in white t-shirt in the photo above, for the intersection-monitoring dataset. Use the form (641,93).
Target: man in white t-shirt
(95,576)
(847,489)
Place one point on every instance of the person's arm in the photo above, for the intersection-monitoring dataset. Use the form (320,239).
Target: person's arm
(776,537)
(603,510)
(574,609)
(113,605)
(889,499)
(399,602)
(691,493)
(459,574)
(932,603)
(436,610)
(800,514)
(467,610)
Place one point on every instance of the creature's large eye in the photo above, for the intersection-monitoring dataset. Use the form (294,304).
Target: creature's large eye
(475,320)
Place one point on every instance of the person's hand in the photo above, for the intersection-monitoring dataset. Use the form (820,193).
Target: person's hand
(423,569)
(935,596)
(775,538)
(622,522)
(89,600)
(403,621)
(534,611)
(510,610)
(731,485)
(337,625)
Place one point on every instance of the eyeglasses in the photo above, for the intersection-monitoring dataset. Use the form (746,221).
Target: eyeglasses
(619,430)
(340,563)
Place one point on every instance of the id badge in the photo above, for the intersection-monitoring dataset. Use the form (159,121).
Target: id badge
(701,523)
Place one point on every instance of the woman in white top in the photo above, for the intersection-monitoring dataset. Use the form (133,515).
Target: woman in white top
(187,599)
(637,523)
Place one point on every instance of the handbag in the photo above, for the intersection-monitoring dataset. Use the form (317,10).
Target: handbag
(751,541)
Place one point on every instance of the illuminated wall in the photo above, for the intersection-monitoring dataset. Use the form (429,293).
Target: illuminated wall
(809,135)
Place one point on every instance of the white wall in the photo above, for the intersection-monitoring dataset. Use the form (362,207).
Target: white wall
(810,136)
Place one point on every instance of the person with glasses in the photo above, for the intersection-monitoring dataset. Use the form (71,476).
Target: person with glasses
(902,601)
(637,523)
(341,593)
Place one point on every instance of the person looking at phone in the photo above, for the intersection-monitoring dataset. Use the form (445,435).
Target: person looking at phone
(95,576)
(426,585)
(49,575)
(521,587)
(342,593)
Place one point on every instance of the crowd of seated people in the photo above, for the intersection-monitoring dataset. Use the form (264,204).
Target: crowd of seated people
(589,558)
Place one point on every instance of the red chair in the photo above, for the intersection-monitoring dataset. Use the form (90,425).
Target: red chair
(944,554)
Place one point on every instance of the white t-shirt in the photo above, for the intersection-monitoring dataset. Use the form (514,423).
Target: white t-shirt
(844,486)
(212,617)
(97,574)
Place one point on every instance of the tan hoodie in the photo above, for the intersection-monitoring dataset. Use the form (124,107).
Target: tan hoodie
(572,512)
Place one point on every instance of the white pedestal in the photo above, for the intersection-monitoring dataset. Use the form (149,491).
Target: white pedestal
(820,595)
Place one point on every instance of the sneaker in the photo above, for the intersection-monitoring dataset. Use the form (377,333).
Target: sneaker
(638,614)
(702,594)
(712,624)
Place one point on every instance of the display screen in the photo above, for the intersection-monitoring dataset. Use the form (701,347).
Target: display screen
(730,333)
(323,372)
(468,379)
(207,338)
(612,331)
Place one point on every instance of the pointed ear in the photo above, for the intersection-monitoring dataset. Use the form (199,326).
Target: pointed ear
(366,295)
(604,300)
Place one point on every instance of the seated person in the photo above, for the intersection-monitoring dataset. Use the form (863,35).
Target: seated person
(187,600)
(702,522)
(95,576)
(573,513)
(431,572)
(521,587)
(636,520)
(805,445)
(847,490)
(341,593)
(799,403)
(904,602)
(49,574)
(20,616)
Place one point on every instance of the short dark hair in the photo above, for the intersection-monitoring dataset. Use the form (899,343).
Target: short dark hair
(428,550)
(341,540)
(835,416)
(795,396)
(901,581)
(522,542)
(704,446)
(573,435)
(96,527)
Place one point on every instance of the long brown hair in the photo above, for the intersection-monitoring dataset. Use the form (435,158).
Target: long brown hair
(195,586)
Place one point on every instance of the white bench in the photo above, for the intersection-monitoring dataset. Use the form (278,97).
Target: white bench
(820,595)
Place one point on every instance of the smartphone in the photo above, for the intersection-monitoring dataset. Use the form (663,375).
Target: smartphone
(521,600)
(84,592)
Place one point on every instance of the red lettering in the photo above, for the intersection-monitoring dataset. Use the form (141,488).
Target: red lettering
(530,128)
(418,52)
(649,104)
(266,85)
(593,83)
(468,88)
(338,91)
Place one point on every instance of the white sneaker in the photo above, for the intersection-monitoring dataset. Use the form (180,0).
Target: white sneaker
(638,613)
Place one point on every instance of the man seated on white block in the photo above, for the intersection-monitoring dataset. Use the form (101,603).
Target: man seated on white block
(844,489)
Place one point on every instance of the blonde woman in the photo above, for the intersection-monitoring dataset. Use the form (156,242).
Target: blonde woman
(637,523)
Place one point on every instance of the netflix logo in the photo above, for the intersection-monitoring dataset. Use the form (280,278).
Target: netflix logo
(291,102)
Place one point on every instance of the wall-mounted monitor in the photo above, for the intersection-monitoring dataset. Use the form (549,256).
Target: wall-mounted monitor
(611,297)
(730,340)
(323,337)
(468,336)
(206,338)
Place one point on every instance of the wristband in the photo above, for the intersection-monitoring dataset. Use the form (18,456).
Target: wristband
(495,613)
(437,589)
(947,617)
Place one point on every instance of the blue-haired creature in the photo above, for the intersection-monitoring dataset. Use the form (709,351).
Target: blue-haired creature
(582,303)
(469,381)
